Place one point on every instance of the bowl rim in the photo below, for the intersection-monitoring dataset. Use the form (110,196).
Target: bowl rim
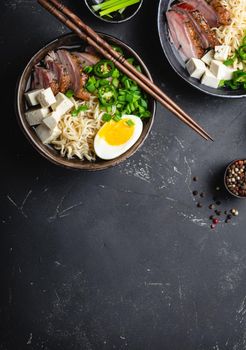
(196,86)
(225,183)
(80,165)
(112,21)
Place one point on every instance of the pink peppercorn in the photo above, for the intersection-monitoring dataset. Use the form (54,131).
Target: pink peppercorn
(215,221)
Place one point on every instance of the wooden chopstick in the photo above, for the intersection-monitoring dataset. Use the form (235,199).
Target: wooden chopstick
(92,38)
(90,32)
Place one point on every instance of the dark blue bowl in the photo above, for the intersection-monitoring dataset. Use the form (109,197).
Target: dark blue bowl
(178,64)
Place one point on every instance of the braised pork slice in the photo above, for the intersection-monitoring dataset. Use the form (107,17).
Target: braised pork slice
(53,63)
(75,74)
(43,78)
(90,49)
(184,35)
(71,67)
(86,59)
(224,16)
(208,37)
(206,10)
(205,29)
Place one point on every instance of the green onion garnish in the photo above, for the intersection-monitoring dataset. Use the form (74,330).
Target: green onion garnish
(117,94)
(129,122)
(69,93)
(106,117)
(230,61)
(75,112)
(90,87)
(117,118)
(88,69)
(109,6)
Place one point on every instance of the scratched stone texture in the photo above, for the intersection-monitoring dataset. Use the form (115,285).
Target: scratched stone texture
(120,259)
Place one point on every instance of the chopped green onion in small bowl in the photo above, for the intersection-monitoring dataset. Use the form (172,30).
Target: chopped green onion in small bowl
(114,11)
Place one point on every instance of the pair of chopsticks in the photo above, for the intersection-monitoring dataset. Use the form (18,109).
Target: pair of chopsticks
(87,34)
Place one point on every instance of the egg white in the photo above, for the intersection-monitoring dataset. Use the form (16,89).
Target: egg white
(106,151)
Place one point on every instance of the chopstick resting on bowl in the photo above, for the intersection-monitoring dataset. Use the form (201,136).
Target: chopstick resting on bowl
(73,22)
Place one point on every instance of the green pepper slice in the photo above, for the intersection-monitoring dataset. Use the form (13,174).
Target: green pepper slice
(104,68)
(107,95)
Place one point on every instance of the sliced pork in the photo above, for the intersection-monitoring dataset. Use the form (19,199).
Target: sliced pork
(86,59)
(83,94)
(207,36)
(90,49)
(205,29)
(206,10)
(63,70)
(71,67)
(43,78)
(74,71)
(53,63)
(224,16)
(184,35)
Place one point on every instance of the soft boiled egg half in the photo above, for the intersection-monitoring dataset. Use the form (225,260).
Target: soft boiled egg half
(115,138)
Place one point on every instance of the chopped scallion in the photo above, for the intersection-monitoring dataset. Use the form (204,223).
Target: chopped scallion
(76,112)
(69,93)
(117,118)
(109,6)
(88,69)
(106,117)
(129,122)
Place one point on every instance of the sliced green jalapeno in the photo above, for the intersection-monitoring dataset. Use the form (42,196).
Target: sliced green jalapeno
(107,95)
(104,68)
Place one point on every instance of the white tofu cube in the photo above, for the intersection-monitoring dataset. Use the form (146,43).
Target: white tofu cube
(31,97)
(208,57)
(52,120)
(216,67)
(46,98)
(46,135)
(196,68)
(209,79)
(221,52)
(221,71)
(63,104)
(227,73)
(35,116)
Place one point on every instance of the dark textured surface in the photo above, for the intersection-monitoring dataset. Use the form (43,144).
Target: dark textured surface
(121,259)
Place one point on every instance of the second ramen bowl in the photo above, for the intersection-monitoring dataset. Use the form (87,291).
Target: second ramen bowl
(178,63)
(71,40)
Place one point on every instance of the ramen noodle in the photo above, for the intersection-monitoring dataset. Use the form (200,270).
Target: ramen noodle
(78,132)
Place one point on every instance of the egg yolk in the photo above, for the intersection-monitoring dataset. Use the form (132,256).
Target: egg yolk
(116,133)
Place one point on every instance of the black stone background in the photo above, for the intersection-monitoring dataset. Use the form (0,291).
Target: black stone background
(119,259)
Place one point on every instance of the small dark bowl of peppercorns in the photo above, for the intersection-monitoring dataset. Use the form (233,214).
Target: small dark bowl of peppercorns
(235,178)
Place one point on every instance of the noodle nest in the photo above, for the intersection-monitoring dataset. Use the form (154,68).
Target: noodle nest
(78,132)
(233,33)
